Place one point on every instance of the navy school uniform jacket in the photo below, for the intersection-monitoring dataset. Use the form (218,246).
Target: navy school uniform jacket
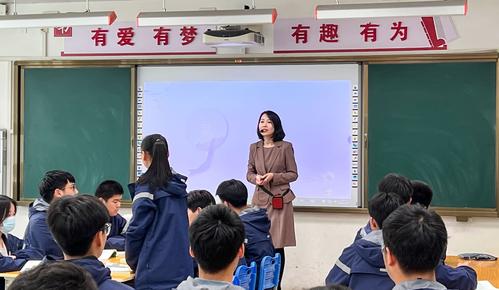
(157,242)
(101,274)
(362,232)
(258,242)
(37,233)
(14,247)
(116,238)
(361,266)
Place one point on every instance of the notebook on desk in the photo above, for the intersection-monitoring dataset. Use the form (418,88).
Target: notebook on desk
(485,285)
(30,265)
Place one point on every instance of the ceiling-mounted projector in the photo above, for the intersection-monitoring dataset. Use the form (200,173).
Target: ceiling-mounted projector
(232,36)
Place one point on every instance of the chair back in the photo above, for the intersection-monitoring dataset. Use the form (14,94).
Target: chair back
(245,276)
(270,268)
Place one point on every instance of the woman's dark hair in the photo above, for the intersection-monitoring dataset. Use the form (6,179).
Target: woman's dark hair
(159,172)
(276,121)
(5,203)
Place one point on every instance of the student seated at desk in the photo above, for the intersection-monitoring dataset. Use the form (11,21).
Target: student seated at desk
(54,276)
(217,243)
(197,200)
(414,240)
(257,243)
(80,224)
(110,192)
(12,256)
(461,277)
(394,183)
(361,265)
(54,185)
(422,193)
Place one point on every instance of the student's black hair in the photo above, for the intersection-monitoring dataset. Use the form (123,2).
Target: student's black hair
(422,193)
(234,192)
(276,121)
(54,179)
(159,172)
(215,238)
(60,275)
(74,221)
(417,237)
(108,189)
(199,198)
(5,203)
(398,184)
(331,287)
(382,205)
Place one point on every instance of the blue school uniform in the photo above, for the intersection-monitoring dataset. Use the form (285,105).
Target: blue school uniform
(101,274)
(116,238)
(461,278)
(157,242)
(361,265)
(14,247)
(363,231)
(364,259)
(37,233)
(257,243)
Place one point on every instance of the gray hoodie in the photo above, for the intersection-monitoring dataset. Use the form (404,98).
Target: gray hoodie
(419,284)
(202,284)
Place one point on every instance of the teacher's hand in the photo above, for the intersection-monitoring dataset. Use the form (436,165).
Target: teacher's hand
(267,177)
(259,179)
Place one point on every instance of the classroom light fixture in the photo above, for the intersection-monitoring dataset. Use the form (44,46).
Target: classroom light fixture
(57,19)
(208,17)
(393,9)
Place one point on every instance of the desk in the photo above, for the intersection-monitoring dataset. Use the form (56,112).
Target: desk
(485,270)
(120,276)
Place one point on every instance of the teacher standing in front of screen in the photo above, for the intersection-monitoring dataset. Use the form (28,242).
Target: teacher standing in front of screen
(271,167)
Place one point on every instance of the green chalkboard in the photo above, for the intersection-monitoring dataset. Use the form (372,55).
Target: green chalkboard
(78,120)
(435,122)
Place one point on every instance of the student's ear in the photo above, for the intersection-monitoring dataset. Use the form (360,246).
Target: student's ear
(198,210)
(190,252)
(100,239)
(373,224)
(240,252)
(57,194)
(101,199)
(390,259)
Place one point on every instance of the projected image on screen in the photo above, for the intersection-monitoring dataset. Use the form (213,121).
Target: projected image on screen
(210,125)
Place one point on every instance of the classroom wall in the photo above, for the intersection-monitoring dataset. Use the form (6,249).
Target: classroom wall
(476,30)
(320,236)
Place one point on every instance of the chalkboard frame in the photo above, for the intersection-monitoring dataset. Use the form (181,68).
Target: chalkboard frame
(461,213)
(18,107)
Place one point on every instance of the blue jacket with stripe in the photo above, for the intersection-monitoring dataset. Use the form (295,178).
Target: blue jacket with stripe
(364,260)
(116,238)
(157,242)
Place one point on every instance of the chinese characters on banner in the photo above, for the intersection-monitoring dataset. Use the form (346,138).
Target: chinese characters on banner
(350,35)
(289,36)
(127,39)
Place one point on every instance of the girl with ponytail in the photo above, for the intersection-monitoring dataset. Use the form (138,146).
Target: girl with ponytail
(157,243)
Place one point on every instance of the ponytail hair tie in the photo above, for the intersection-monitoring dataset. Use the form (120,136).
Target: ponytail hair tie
(159,141)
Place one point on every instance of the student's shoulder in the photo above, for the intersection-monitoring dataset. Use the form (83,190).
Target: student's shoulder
(113,285)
